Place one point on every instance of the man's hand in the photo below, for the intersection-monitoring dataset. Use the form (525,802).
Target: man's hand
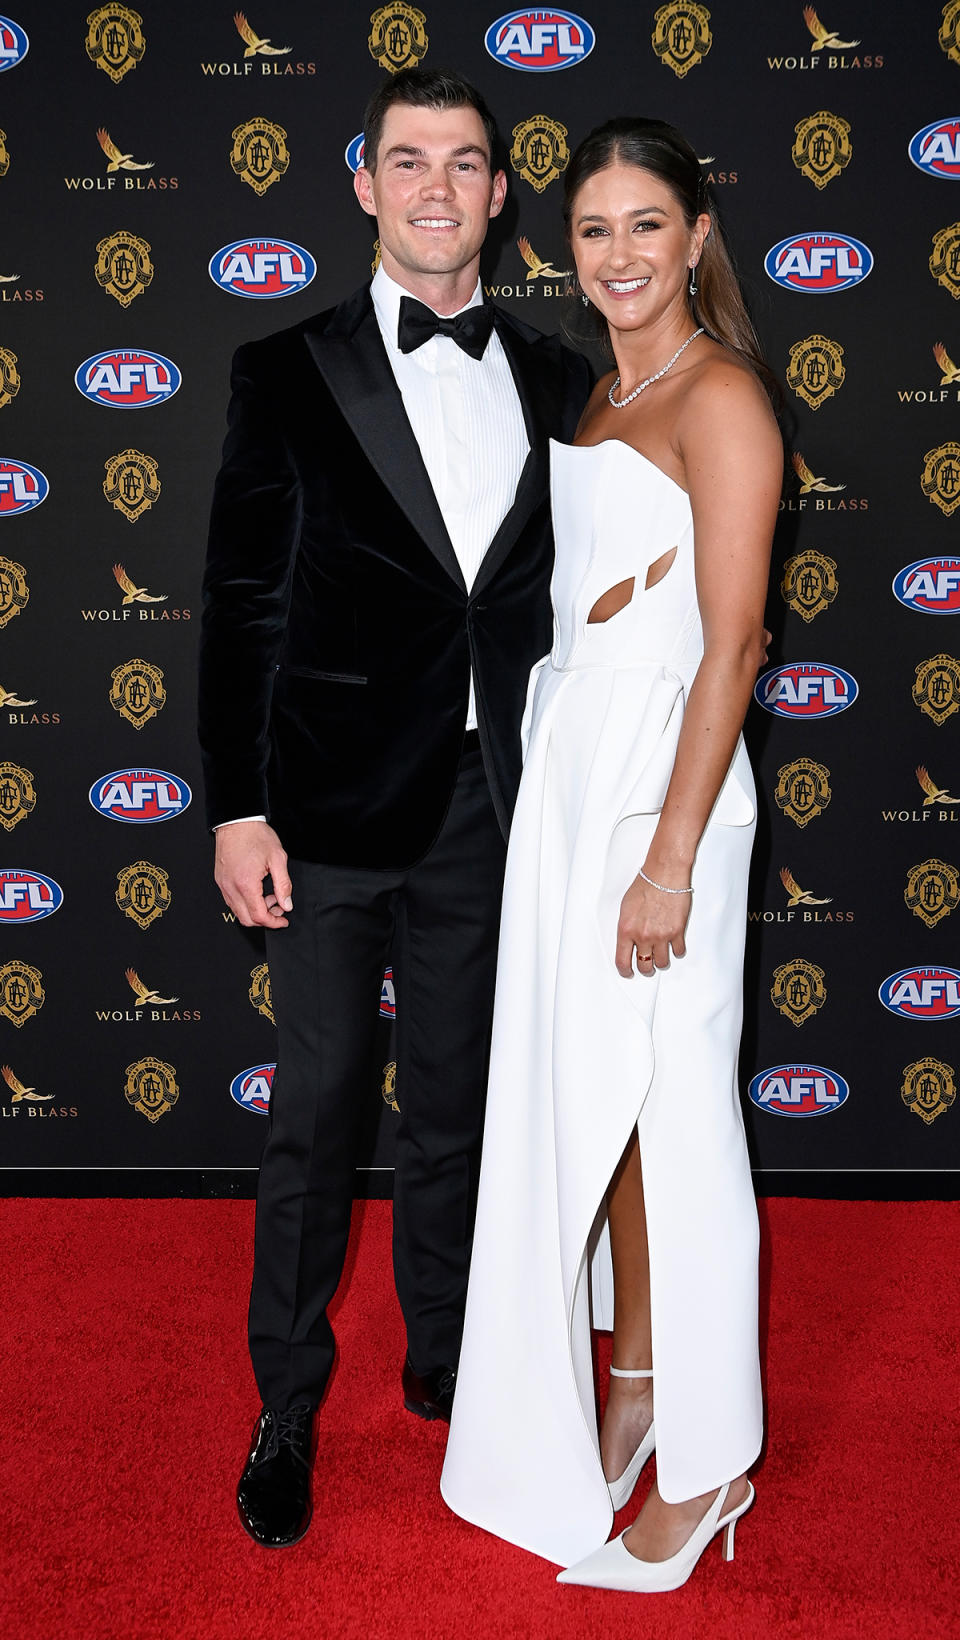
(247,852)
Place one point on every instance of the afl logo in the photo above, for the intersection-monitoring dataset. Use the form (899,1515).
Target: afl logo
(819,263)
(28,896)
(388,1001)
(251,1089)
(922,993)
(798,1090)
(140,796)
(936,149)
(353,153)
(806,689)
(931,585)
(262,268)
(14,44)
(128,378)
(539,41)
(22,487)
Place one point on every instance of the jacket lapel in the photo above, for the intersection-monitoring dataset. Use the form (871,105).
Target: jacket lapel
(536,390)
(350,356)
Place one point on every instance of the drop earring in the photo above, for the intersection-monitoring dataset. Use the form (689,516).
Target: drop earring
(693,287)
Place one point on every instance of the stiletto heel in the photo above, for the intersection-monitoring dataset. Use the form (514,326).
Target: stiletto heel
(613,1566)
(621,1489)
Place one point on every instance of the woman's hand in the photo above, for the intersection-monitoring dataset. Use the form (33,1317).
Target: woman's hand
(651,921)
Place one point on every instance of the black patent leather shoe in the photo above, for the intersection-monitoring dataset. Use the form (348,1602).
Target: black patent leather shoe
(273,1496)
(429,1395)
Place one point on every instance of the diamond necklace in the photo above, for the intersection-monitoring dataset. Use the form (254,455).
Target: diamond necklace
(621,404)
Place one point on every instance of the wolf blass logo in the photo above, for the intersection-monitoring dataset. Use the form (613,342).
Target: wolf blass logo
(36,1102)
(803,905)
(826,48)
(116,161)
(948,391)
(938,803)
(132,595)
(148,1005)
(258,56)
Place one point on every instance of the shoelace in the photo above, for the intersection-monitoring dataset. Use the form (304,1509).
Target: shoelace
(288,1429)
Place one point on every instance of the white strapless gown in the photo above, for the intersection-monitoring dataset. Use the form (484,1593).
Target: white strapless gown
(581,1056)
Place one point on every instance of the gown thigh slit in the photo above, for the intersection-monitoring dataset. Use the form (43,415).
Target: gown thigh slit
(581,1056)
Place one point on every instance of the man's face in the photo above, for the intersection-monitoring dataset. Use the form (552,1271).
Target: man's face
(432,192)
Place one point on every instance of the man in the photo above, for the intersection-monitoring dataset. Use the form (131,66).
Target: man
(376,593)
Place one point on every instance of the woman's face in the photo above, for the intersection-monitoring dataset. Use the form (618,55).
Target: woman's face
(633,248)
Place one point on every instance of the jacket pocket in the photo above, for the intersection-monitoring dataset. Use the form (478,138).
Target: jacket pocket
(322,677)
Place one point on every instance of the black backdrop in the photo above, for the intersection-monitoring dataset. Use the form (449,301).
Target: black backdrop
(802,132)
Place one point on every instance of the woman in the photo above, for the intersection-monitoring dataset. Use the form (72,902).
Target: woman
(614,1135)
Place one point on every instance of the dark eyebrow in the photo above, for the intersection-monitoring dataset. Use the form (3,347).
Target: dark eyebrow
(644,210)
(419,153)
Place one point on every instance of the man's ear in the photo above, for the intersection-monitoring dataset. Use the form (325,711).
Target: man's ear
(499,193)
(363,188)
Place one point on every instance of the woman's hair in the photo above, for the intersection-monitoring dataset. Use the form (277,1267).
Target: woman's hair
(654,146)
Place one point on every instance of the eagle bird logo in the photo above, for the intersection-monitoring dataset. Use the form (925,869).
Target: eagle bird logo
(538,269)
(951,372)
(133,594)
(808,480)
(797,895)
(254,43)
(934,793)
(18,1090)
(824,36)
(9,697)
(143,993)
(119,161)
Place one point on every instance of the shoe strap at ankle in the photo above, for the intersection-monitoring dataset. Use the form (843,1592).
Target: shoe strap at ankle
(631,1372)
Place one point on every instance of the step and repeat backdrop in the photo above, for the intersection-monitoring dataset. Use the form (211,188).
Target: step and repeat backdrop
(177,179)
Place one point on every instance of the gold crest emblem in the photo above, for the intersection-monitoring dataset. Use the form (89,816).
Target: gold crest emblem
(932,891)
(21,992)
(815,370)
(124,269)
(940,480)
(950,30)
(803,790)
(131,484)
(928,1088)
(398,37)
(822,148)
(137,691)
(933,792)
(17,796)
(937,689)
(809,583)
(143,892)
(18,1092)
(798,990)
(151,1087)
(809,480)
(797,895)
(944,261)
(259,993)
(257,45)
(389,1087)
(115,40)
(259,154)
(14,592)
(9,376)
(116,159)
(536,268)
(539,152)
(4,154)
(682,37)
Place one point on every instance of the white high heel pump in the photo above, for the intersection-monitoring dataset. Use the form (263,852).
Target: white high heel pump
(621,1489)
(614,1567)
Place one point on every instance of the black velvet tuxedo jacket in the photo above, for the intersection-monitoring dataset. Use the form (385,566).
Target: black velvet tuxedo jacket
(338,634)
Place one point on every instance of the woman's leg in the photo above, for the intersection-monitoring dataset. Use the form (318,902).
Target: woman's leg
(661,1528)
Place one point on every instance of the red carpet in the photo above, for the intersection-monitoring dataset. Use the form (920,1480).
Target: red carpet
(128,1401)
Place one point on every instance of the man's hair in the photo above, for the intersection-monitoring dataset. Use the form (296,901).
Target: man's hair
(437,89)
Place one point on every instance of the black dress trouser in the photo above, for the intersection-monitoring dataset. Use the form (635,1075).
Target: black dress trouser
(438,923)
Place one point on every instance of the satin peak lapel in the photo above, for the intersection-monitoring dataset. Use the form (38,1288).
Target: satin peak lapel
(350,356)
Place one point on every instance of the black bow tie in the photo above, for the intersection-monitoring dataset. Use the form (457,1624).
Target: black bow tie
(470,329)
